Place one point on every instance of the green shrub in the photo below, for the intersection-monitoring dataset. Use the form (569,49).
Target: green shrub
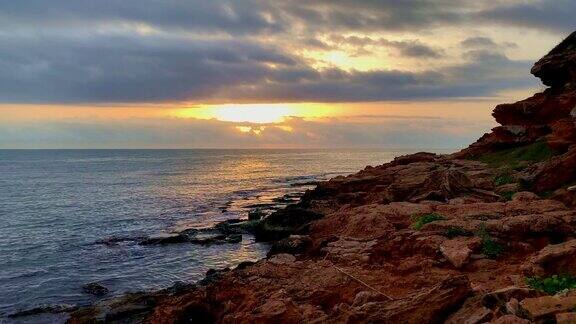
(490,248)
(517,157)
(503,179)
(455,231)
(420,221)
(507,195)
(552,285)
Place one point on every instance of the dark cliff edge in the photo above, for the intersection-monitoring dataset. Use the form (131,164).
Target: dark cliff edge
(487,234)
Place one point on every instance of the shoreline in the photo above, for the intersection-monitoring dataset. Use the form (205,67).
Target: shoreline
(211,235)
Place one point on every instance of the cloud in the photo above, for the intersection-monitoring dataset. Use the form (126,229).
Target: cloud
(84,51)
(97,69)
(478,41)
(553,15)
(406,48)
(388,132)
(126,69)
(416,49)
(233,17)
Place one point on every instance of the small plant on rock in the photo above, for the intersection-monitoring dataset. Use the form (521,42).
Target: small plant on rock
(507,195)
(420,221)
(502,179)
(490,248)
(552,285)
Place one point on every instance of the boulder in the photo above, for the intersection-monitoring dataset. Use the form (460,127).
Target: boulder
(510,319)
(566,318)
(442,185)
(294,244)
(282,259)
(472,315)
(554,173)
(439,302)
(46,309)
(512,307)
(553,259)
(525,196)
(365,297)
(500,297)
(95,289)
(558,67)
(210,239)
(458,250)
(256,214)
(284,222)
(215,235)
(164,239)
(545,308)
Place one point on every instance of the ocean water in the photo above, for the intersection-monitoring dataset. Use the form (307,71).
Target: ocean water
(57,205)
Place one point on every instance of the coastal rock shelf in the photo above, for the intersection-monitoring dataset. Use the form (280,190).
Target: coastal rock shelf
(483,235)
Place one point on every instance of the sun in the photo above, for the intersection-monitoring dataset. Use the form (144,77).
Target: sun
(272,113)
(257,113)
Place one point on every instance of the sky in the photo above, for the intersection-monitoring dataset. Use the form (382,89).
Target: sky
(266,74)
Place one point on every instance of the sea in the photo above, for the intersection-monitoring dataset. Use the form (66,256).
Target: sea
(73,217)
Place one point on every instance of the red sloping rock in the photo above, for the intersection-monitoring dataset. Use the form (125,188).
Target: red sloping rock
(559,66)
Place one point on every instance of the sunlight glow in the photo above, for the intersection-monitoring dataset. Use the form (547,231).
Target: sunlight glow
(251,129)
(256,113)
(252,113)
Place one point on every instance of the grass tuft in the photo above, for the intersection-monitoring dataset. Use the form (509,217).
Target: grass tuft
(490,248)
(552,285)
(516,158)
(420,221)
(502,179)
(507,195)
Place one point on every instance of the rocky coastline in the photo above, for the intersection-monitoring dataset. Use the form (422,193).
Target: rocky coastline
(484,235)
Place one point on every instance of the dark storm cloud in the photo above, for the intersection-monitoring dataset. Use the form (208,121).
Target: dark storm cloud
(372,15)
(234,17)
(479,41)
(121,69)
(252,16)
(406,48)
(118,69)
(416,49)
(416,15)
(555,15)
(63,50)
(484,74)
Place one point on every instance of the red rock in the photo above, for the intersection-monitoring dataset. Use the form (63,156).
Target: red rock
(459,249)
(566,318)
(553,259)
(525,196)
(500,297)
(559,66)
(475,315)
(510,319)
(546,307)
(555,173)
(438,301)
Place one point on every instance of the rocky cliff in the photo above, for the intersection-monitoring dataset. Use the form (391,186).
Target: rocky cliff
(483,235)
